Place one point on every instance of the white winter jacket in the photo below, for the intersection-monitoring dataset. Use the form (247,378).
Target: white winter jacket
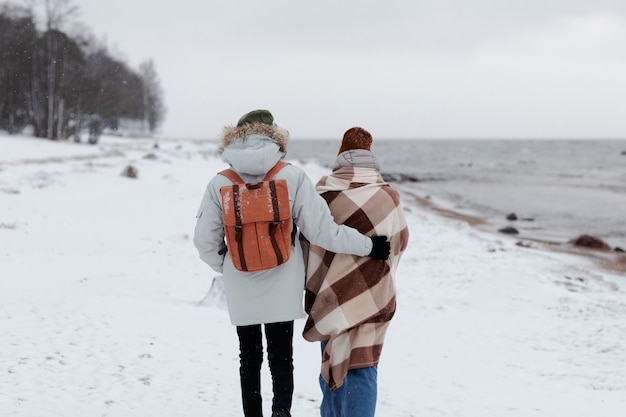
(273,295)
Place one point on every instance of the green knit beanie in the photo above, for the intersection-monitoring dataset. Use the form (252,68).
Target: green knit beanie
(258,116)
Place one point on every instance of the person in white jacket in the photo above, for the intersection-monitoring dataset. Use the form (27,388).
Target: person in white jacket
(272,298)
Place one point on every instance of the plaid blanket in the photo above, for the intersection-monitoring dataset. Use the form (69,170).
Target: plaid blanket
(351,300)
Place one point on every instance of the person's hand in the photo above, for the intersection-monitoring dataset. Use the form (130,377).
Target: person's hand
(380,248)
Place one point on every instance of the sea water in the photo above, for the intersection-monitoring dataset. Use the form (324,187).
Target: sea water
(558,189)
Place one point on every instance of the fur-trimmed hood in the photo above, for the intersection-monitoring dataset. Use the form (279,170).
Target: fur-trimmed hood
(276,133)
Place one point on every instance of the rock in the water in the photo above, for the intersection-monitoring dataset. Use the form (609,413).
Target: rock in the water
(509,230)
(390,177)
(511,216)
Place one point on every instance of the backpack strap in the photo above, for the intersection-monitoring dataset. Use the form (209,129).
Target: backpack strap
(234,177)
(274,225)
(272,172)
(231,175)
(239,225)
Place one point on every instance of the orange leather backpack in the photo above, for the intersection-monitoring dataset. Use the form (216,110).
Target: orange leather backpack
(257,220)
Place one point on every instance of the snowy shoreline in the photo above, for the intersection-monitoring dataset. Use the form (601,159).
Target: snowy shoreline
(100,290)
(612,260)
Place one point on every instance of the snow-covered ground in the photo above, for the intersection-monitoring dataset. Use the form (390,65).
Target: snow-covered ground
(103,309)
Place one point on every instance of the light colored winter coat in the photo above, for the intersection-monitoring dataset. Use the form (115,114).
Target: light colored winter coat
(273,295)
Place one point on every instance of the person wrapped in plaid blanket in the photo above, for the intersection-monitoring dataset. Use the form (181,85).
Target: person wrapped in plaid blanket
(268,301)
(350,300)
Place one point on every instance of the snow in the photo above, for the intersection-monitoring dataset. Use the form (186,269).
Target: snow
(105,308)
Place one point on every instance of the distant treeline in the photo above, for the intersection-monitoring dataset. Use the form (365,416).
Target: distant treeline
(61,85)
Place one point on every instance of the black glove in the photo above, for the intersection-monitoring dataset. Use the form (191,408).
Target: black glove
(380,248)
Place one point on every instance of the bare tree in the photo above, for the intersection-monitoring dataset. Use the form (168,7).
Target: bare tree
(53,94)
(17,35)
(154,109)
(58,83)
(113,91)
(57,13)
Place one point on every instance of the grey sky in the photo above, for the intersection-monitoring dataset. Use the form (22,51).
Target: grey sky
(401,69)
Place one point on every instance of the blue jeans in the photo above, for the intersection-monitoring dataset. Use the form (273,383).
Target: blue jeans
(355,398)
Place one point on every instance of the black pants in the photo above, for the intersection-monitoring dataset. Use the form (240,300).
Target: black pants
(280,357)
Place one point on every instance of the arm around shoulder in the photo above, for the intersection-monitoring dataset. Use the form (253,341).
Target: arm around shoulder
(313,217)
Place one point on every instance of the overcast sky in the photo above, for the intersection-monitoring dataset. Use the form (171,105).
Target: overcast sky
(401,69)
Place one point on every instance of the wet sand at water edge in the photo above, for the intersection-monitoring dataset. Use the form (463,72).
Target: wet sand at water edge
(606,259)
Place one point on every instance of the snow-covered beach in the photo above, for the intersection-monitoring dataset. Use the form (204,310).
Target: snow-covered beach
(102,312)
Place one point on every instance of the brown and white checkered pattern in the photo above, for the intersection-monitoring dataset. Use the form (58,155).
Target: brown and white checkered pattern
(350,299)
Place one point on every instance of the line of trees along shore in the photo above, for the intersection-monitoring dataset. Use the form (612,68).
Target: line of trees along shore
(61,85)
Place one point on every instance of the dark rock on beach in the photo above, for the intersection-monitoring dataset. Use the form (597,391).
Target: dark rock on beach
(618,249)
(509,230)
(588,241)
(513,217)
(130,172)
